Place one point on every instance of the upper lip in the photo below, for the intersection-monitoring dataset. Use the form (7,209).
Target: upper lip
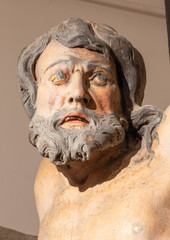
(74,116)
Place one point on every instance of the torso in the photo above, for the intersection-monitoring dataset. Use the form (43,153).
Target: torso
(133,205)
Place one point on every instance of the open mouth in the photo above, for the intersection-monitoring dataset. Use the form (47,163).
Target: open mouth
(74,119)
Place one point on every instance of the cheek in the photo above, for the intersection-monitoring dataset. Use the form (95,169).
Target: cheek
(49,100)
(107,100)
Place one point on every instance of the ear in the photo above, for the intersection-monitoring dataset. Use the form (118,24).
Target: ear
(124,123)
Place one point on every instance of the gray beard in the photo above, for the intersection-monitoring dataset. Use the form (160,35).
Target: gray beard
(62,145)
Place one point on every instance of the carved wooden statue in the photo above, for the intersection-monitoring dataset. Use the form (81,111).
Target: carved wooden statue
(106,171)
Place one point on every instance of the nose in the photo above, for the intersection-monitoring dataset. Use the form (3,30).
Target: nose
(78,90)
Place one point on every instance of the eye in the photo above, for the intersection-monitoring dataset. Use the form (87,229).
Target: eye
(59,78)
(99,79)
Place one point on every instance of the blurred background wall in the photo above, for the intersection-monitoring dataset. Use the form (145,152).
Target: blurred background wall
(22,21)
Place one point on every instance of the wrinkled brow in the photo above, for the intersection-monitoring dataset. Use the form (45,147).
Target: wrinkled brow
(88,66)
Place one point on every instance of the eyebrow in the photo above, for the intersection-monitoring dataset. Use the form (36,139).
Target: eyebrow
(93,65)
(60,62)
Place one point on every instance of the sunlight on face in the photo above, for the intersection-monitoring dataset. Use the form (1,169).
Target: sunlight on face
(76,78)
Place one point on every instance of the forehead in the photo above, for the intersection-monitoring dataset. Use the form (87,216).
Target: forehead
(55,51)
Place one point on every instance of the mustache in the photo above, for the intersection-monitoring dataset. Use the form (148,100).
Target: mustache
(57,117)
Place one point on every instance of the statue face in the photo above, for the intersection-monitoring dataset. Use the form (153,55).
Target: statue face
(78,104)
(76,78)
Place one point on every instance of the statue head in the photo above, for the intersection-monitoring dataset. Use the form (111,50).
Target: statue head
(79,84)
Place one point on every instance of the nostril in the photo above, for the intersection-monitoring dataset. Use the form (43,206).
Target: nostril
(71,100)
(85,100)
(78,99)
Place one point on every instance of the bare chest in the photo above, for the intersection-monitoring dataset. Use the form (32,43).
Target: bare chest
(126,210)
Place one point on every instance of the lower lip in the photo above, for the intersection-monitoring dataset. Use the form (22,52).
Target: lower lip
(74,124)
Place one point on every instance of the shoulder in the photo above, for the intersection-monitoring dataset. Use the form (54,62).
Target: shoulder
(46,182)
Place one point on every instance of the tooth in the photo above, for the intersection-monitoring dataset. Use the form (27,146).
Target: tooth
(75,118)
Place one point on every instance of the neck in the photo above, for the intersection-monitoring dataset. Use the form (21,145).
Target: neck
(94,171)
